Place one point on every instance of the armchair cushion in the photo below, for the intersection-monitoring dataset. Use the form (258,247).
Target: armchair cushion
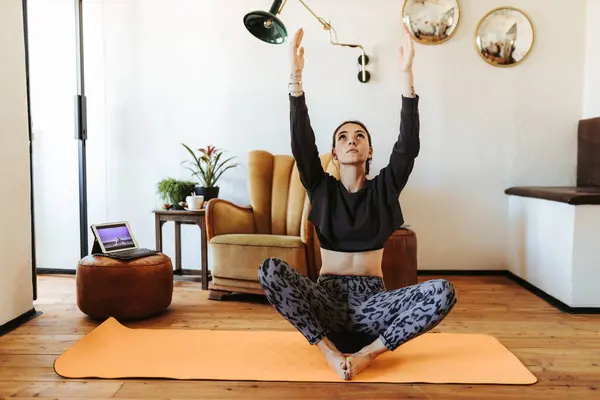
(238,256)
(259,240)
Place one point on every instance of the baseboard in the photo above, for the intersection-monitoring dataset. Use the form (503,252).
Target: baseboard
(50,271)
(553,301)
(461,272)
(20,320)
(550,299)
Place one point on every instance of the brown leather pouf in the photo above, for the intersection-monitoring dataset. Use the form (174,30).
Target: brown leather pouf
(399,262)
(124,290)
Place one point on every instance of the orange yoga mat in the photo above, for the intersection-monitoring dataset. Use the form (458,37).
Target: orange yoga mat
(114,351)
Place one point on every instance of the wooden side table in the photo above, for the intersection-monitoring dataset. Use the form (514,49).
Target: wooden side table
(187,218)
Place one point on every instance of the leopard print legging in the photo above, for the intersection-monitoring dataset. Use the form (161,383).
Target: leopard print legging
(353,311)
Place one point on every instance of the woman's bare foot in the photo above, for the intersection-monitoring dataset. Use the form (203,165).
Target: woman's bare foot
(335,359)
(361,359)
(338,363)
(358,362)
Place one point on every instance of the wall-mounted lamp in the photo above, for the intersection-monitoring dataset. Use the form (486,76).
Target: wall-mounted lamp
(268,28)
(363,76)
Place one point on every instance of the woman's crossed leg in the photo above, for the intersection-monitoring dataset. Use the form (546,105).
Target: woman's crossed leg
(397,316)
(310,308)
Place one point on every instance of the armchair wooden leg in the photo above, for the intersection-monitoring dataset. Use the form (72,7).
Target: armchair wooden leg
(214,294)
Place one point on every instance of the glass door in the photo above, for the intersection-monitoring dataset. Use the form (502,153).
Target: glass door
(58,157)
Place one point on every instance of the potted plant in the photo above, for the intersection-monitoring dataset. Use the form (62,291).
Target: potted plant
(174,191)
(208,168)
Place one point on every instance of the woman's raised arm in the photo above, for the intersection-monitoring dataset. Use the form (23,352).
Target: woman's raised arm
(406,149)
(303,141)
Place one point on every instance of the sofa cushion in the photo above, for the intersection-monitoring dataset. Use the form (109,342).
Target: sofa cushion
(238,256)
(241,239)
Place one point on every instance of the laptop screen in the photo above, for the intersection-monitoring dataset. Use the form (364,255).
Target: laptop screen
(115,237)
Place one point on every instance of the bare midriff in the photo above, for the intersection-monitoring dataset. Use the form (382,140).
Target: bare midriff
(365,263)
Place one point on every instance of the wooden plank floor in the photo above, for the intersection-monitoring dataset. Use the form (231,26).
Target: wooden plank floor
(562,350)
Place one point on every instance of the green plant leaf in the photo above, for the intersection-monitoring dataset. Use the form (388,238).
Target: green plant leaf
(221,173)
(213,168)
(219,168)
(200,173)
(197,169)
(223,163)
(194,173)
(192,153)
(174,191)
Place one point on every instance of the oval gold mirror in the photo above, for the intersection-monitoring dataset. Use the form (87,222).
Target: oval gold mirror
(504,37)
(431,21)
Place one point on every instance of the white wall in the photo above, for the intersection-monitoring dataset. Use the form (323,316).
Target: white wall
(15,230)
(592,61)
(188,71)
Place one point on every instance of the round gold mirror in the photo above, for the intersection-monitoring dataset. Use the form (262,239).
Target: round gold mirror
(504,37)
(431,21)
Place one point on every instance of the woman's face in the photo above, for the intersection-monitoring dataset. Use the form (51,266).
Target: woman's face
(351,145)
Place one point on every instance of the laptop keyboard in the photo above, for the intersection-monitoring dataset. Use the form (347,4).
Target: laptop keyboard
(135,252)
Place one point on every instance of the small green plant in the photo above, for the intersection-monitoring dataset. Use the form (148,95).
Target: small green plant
(174,191)
(208,167)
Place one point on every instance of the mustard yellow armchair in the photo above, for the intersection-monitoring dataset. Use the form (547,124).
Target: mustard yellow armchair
(275,224)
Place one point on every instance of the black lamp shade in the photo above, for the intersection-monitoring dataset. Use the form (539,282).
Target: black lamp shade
(265,26)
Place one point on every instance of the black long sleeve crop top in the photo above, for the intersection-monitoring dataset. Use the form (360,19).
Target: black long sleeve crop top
(363,220)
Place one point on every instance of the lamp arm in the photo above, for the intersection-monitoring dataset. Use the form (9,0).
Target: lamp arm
(343,44)
(362,49)
(327,26)
(281,8)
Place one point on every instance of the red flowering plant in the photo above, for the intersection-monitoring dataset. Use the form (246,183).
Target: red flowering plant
(208,166)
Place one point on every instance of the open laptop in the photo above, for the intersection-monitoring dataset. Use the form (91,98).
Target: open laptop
(116,240)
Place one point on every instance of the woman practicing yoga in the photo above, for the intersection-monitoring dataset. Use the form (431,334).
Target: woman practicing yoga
(348,313)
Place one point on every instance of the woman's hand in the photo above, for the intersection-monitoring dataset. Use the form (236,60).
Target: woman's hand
(407,52)
(297,53)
